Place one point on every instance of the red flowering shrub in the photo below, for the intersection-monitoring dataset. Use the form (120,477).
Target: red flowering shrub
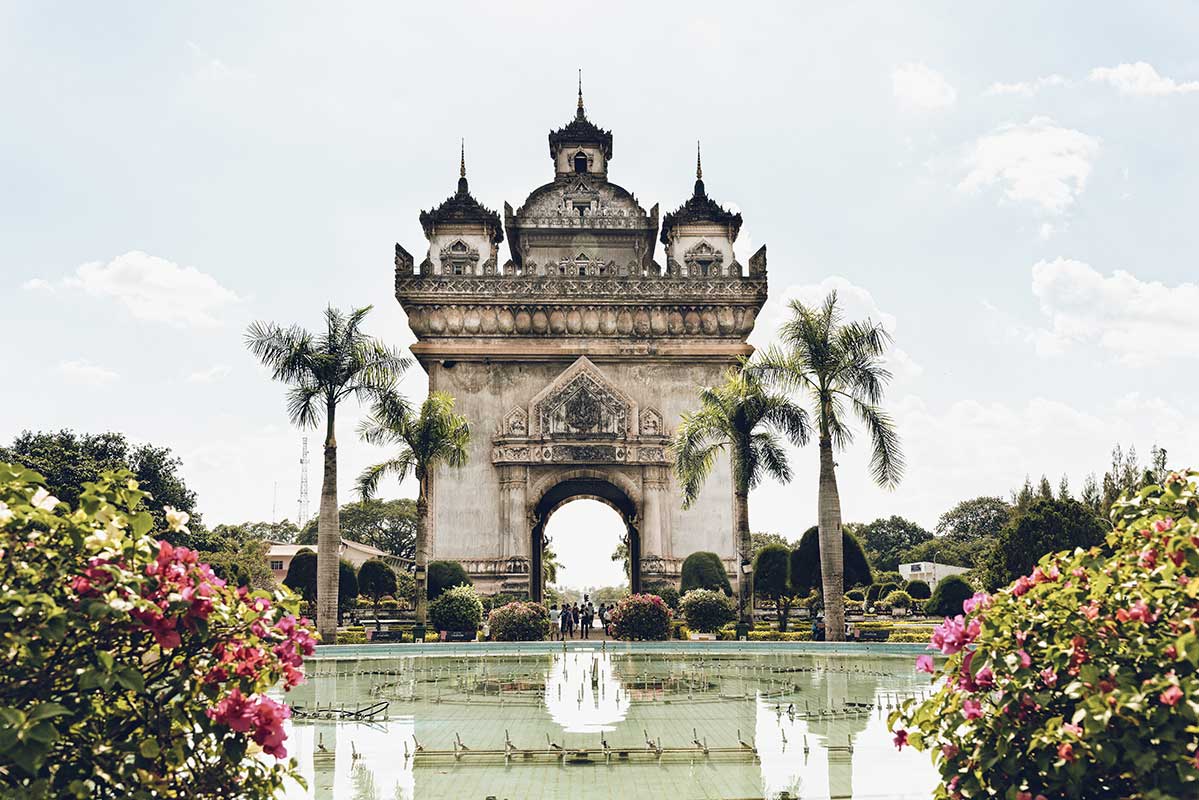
(519,622)
(1078,680)
(130,669)
(641,616)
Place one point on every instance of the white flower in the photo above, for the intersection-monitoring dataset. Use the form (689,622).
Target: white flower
(5,512)
(43,500)
(177,520)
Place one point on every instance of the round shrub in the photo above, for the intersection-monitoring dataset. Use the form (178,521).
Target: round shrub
(707,611)
(641,616)
(519,621)
(898,599)
(704,570)
(872,592)
(855,594)
(668,593)
(457,609)
(442,575)
(948,597)
(1078,679)
(918,590)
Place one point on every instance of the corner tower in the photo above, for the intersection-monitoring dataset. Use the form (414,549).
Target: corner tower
(575,359)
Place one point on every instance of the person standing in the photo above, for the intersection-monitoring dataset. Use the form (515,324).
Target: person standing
(555,623)
(585,618)
(576,618)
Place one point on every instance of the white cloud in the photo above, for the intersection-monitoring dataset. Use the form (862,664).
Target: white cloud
(87,373)
(1045,231)
(856,303)
(918,86)
(1141,79)
(1028,88)
(37,285)
(152,288)
(210,375)
(1037,162)
(1137,321)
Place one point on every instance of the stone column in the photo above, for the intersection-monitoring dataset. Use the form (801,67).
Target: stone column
(513,528)
(655,530)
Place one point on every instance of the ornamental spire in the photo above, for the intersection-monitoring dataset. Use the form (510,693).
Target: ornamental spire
(462,187)
(699,172)
(580,114)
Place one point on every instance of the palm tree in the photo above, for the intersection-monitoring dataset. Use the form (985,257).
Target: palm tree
(743,418)
(425,440)
(838,367)
(549,565)
(322,370)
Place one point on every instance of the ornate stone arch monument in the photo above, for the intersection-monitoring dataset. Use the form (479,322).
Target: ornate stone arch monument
(575,359)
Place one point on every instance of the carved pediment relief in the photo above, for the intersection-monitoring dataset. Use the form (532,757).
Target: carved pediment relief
(582,402)
(516,423)
(651,423)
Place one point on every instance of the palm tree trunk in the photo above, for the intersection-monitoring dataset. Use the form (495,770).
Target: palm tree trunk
(832,559)
(328,541)
(422,551)
(744,546)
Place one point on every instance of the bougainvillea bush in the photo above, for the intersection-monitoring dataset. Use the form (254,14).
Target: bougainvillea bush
(129,669)
(641,616)
(519,622)
(1079,679)
(707,610)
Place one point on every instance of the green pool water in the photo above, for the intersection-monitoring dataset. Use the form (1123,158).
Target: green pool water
(625,721)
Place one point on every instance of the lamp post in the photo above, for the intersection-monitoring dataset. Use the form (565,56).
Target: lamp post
(747,599)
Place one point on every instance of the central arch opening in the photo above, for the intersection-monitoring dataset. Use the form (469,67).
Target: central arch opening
(622,523)
(585,549)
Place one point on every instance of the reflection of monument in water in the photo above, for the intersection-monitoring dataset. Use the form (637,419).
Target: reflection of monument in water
(583,693)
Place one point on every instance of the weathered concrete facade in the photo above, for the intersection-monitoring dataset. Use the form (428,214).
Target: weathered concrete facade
(575,359)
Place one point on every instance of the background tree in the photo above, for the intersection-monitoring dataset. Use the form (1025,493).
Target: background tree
(621,554)
(243,562)
(739,418)
(301,575)
(704,570)
(886,540)
(807,564)
(772,579)
(1046,527)
(376,580)
(838,367)
(423,442)
(977,518)
(760,540)
(549,565)
(942,550)
(323,370)
(444,575)
(67,460)
(389,525)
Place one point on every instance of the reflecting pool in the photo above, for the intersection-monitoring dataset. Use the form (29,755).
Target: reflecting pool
(720,720)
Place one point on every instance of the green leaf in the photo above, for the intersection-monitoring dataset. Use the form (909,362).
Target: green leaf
(131,678)
(47,711)
(43,732)
(149,748)
(106,660)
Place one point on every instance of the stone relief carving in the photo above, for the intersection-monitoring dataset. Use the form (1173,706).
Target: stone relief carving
(581,401)
(651,423)
(516,423)
(526,285)
(703,261)
(459,258)
(403,261)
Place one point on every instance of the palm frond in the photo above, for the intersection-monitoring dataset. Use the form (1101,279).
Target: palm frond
(886,458)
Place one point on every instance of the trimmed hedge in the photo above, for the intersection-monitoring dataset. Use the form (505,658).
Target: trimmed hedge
(641,616)
(443,575)
(704,570)
(519,622)
(948,597)
(919,590)
(706,610)
(458,609)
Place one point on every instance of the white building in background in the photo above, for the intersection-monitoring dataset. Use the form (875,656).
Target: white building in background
(279,555)
(929,571)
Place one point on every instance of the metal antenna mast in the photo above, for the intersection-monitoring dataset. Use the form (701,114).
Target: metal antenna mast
(303,509)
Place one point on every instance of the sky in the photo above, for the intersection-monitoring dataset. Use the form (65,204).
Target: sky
(1008,188)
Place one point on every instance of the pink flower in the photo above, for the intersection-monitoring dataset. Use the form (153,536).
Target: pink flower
(1171,696)
(236,711)
(953,634)
(1049,677)
(1065,751)
(901,738)
(972,708)
(1025,659)
(949,751)
(1023,795)
(979,600)
(925,664)
(985,678)
(1070,727)
(1163,525)
(1022,585)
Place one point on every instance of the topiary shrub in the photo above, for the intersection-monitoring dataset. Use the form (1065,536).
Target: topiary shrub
(856,594)
(668,593)
(117,649)
(707,611)
(872,592)
(1077,680)
(519,621)
(641,616)
(704,570)
(918,590)
(441,575)
(948,597)
(457,609)
(805,562)
(376,580)
(898,599)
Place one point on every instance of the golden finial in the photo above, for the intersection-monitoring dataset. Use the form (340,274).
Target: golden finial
(462,160)
(699,170)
